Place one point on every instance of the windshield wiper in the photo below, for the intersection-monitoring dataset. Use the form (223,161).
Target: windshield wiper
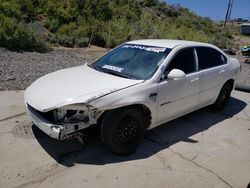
(118,74)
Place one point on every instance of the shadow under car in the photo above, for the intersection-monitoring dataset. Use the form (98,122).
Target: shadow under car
(70,152)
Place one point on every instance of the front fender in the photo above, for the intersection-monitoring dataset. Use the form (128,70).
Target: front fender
(138,94)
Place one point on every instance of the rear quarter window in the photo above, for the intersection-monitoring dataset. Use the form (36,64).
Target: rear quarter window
(209,57)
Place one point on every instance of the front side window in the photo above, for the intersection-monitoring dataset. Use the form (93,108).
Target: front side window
(209,57)
(184,60)
(132,61)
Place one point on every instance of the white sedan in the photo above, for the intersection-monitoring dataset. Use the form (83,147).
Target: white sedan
(134,87)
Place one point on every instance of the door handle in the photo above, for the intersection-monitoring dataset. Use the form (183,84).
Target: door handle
(195,79)
(221,71)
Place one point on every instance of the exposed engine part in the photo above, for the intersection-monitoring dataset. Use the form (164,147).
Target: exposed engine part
(71,116)
(79,136)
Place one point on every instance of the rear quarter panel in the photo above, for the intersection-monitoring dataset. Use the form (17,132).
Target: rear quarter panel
(233,69)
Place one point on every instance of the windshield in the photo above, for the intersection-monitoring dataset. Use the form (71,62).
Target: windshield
(132,61)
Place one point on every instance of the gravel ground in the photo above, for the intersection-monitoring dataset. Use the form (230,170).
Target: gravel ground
(244,77)
(18,70)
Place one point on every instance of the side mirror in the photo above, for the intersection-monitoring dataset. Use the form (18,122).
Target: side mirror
(176,73)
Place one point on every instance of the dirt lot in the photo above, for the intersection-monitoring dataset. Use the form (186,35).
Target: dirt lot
(19,69)
(202,149)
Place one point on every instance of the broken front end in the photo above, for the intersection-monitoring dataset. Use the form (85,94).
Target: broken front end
(64,122)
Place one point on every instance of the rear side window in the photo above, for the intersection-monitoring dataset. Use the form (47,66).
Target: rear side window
(184,60)
(209,57)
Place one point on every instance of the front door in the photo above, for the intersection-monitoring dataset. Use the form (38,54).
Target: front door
(178,96)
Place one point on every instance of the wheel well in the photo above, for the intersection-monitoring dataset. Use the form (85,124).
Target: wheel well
(231,82)
(144,109)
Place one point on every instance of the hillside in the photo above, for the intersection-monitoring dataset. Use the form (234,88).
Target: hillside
(39,24)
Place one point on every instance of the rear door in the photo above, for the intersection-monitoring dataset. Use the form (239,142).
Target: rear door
(212,70)
(177,96)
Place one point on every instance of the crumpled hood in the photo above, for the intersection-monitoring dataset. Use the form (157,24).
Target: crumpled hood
(73,85)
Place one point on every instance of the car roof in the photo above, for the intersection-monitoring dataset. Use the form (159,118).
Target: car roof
(166,43)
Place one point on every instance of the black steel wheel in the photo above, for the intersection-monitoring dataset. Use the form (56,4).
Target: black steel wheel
(223,98)
(123,129)
(127,129)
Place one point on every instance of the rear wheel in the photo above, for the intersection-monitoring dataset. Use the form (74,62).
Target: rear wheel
(123,129)
(223,98)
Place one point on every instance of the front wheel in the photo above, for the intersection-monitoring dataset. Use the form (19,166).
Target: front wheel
(223,98)
(123,129)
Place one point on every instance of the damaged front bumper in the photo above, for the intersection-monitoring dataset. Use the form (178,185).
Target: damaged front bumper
(58,131)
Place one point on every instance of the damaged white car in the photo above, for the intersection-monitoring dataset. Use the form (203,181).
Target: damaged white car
(134,87)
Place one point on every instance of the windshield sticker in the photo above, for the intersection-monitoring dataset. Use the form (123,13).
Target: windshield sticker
(150,49)
(110,67)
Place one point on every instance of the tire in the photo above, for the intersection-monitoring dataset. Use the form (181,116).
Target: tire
(123,129)
(223,98)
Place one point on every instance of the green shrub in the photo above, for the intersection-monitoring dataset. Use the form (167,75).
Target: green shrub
(27,8)
(81,36)
(151,2)
(71,35)
(81,42)
(101,22)
(52,24)
(116,32)
(223,39)
(16,36)
(67,29)
(10,9)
